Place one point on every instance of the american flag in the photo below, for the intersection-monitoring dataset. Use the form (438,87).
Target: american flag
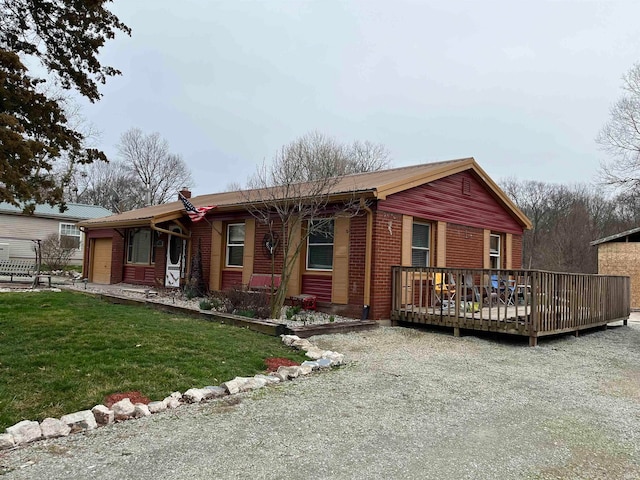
(195,213)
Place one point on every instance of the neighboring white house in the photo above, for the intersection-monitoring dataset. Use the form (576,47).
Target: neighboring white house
(19,233)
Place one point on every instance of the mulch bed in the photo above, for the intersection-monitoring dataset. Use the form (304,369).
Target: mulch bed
(134,396)
(273,363)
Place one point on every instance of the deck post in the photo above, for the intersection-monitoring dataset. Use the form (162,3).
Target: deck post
(576,333)
(533,341)
(456,331)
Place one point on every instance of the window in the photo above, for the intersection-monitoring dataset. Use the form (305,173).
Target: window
(141,245)
(494,251)
(69,235)
(420,245)
(235,244)
(320,245)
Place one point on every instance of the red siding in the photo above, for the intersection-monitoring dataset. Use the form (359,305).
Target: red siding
(231,278)
(139,274)
(443,200)
(318,285)
(117,257)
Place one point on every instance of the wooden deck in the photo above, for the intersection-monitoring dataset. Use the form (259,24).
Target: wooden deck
(530,303)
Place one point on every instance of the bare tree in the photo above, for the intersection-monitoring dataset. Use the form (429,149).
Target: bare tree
(147,158)
(565,219)
(620,136)
(111,186)
(315,155)
(292,196)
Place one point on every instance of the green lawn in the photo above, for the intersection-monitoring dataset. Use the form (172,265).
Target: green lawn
(64,352)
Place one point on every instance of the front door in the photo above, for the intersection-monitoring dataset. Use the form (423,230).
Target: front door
(175,259)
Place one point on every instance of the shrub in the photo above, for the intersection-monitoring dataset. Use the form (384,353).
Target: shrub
(57,251)
(239,300)
(206,305)
(292,311)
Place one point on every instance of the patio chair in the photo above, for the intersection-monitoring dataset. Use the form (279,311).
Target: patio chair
(444,289)
(505,289)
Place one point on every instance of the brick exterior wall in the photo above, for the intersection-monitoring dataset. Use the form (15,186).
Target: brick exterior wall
(387,252)
(357,247)
(200,236)
(465,246)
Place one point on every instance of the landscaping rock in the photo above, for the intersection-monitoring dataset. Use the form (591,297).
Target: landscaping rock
(314,353)
(289,339)
(171,401)
(313,364)
(323,363)
(124,409)
(80,421)
(268,378)
(215,392)
(52,428)
(302,344)
(103,415)
(193,395)
(156,407)
(253,384)
(334,357)
(234,386)
(286,373)
(25,431)
(305,369)
(6,441)
(141,410)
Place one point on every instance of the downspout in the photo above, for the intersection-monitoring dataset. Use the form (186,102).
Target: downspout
(367,257)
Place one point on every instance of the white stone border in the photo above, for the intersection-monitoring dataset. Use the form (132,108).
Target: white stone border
(28,431)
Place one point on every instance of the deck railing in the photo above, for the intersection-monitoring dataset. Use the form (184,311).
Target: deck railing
(522,302)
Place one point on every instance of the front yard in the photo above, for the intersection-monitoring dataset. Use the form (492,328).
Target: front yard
(63,351)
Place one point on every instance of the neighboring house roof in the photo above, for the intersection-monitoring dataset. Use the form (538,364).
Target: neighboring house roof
(377,185)
(633,234)
(74,211)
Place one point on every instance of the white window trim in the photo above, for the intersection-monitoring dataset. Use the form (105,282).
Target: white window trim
(75,226)
(309,244)
(495,255)
(226,262)
(428,249)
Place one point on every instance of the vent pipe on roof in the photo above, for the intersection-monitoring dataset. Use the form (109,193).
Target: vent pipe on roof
(185,192)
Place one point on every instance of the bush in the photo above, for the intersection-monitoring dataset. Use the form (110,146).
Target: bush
(292,311)
(239,300)
(56,251)
(206,305)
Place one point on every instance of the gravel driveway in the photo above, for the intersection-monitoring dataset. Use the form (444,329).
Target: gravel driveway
(411,404)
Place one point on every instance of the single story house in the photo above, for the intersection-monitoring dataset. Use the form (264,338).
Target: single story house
(619,254)
(437,214)
(19,232)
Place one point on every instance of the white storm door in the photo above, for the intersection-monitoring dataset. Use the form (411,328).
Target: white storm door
(175,259)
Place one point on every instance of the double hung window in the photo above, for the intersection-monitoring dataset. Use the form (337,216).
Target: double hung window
(320,245)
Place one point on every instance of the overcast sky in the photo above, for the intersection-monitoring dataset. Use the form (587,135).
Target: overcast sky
(522,86)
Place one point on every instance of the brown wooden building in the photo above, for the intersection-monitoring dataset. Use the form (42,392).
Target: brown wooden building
(445,214)
(620,255)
